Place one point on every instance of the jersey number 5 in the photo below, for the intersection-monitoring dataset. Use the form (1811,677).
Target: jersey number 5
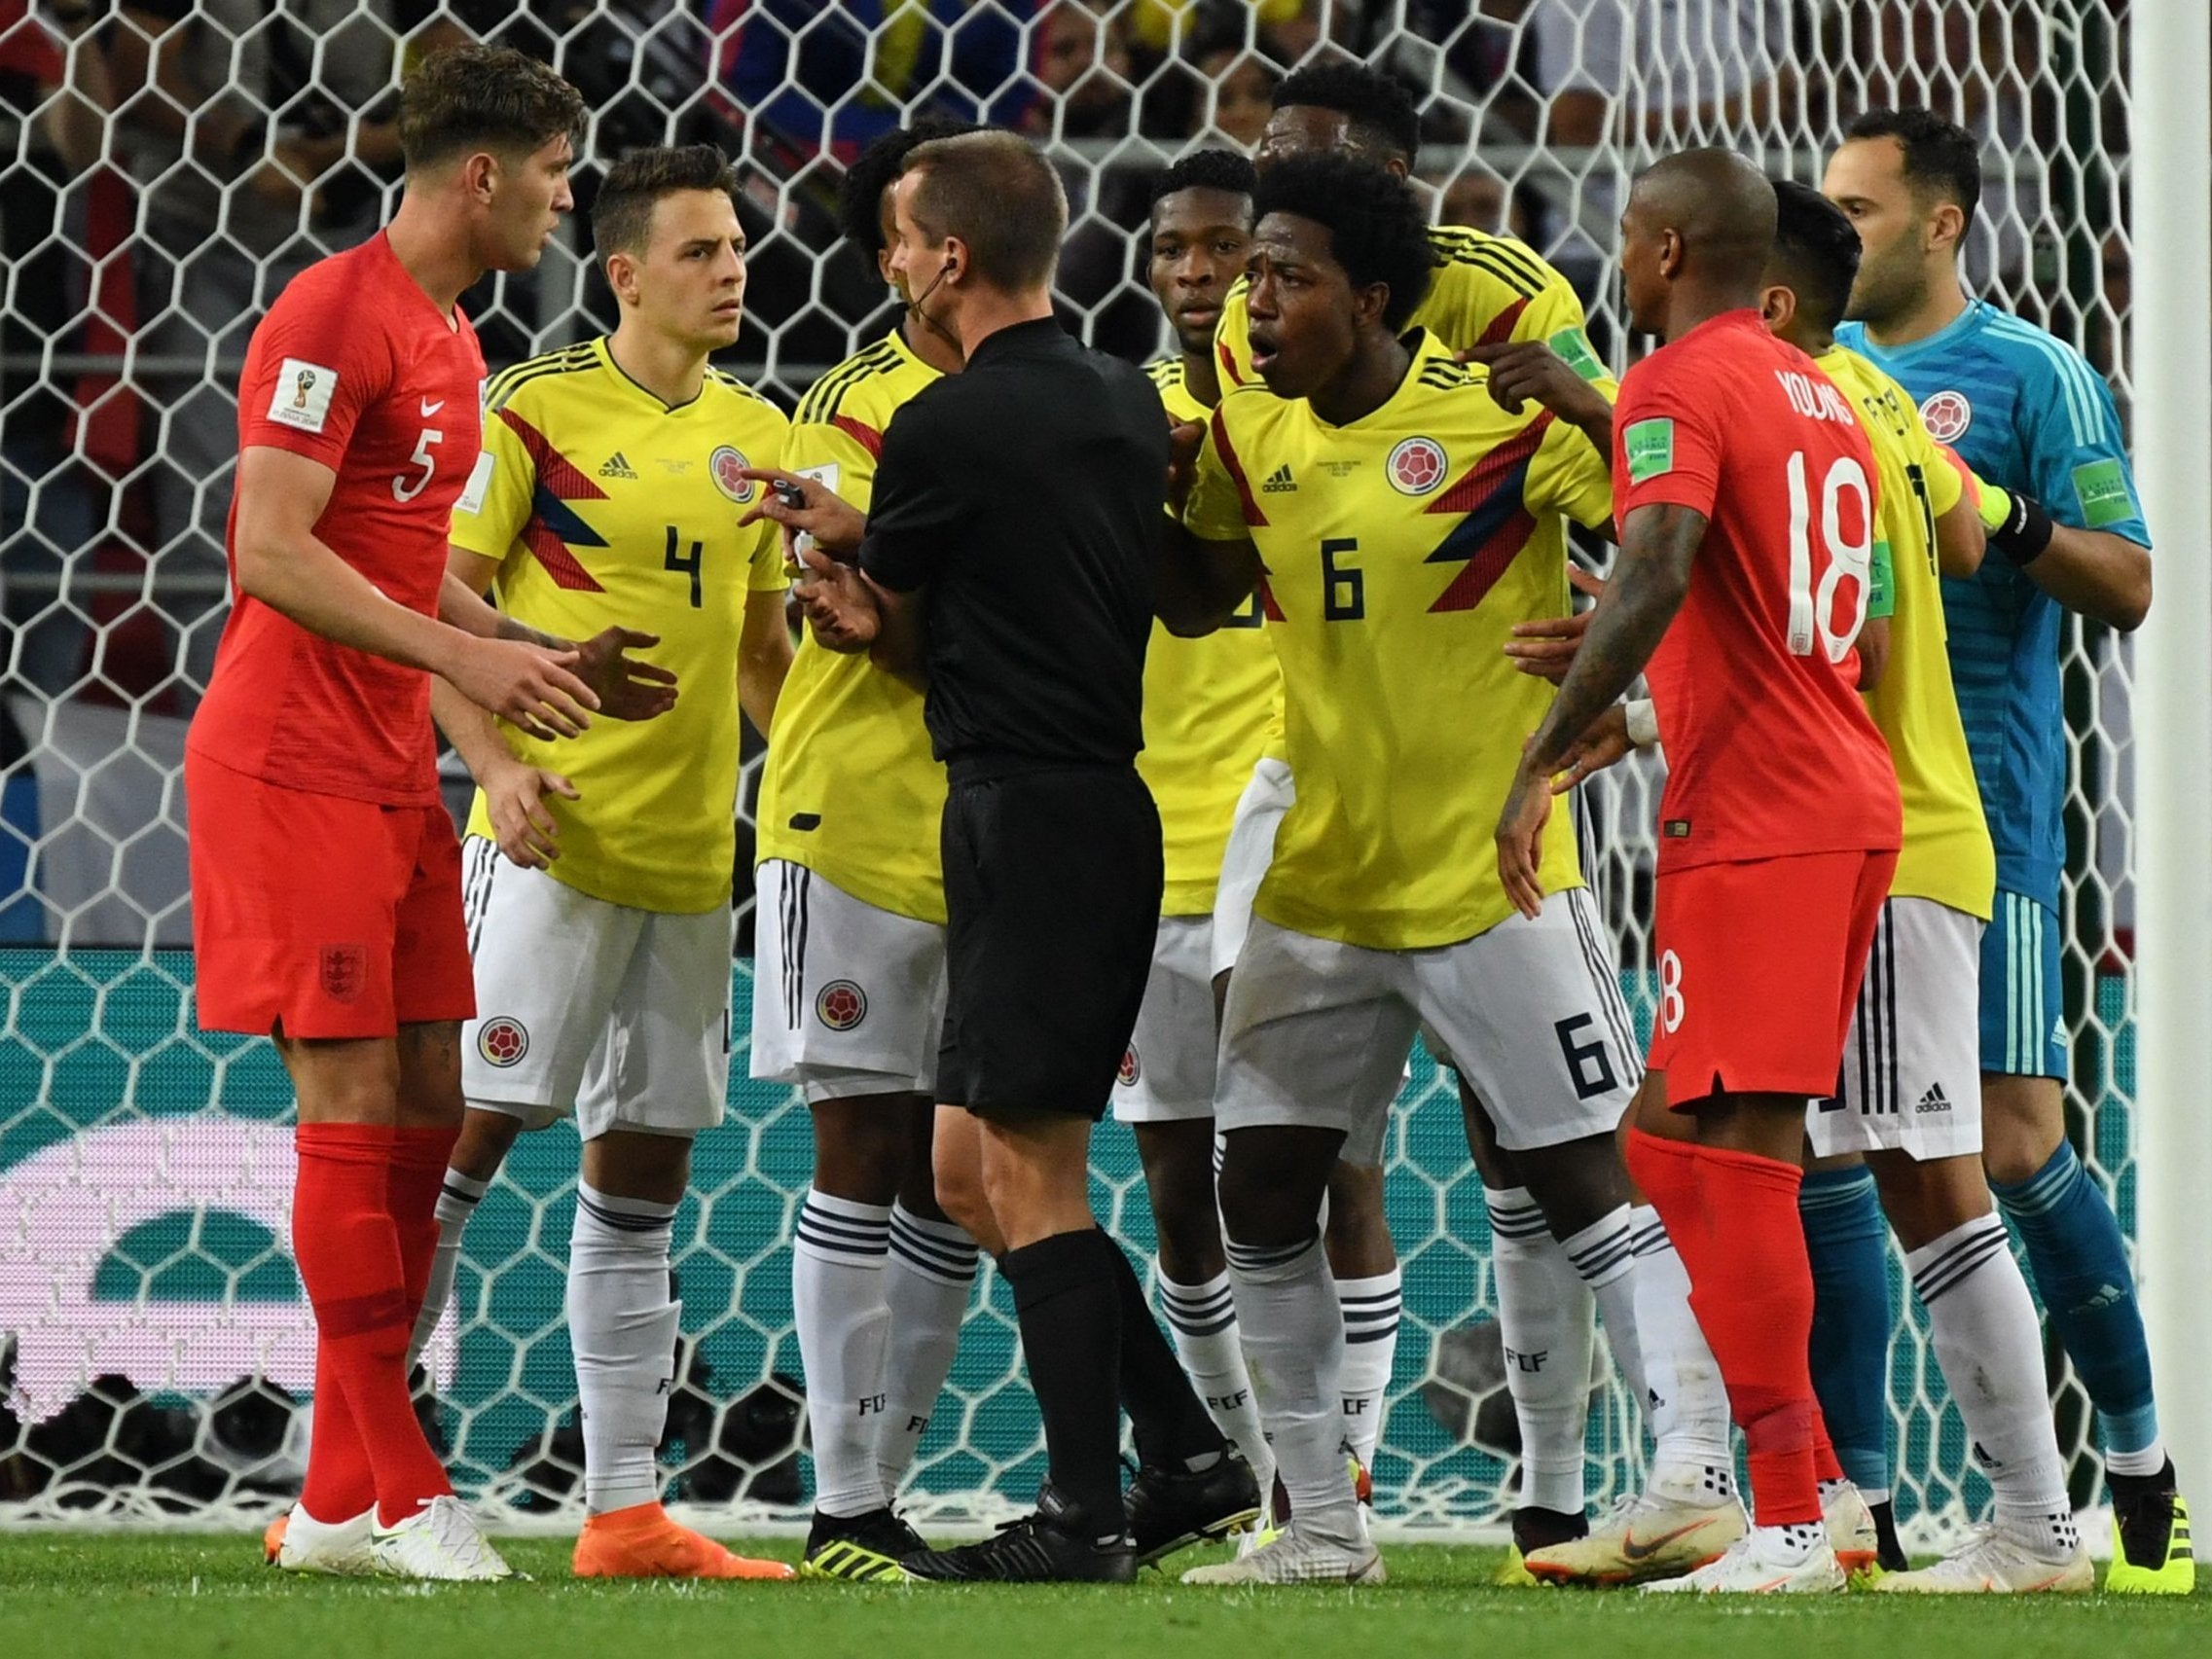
(1812,613)
(405,489)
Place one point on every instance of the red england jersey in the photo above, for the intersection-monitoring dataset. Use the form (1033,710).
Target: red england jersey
(356,368)
(1769,750)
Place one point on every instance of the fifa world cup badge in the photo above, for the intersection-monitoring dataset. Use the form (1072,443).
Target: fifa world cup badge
(304,385)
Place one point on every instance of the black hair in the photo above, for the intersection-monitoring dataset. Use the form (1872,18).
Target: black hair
(1818,248)
(1940,157)
(1378,110)
(622,213)
(861,196)
(1376,227)
(1206,169)
(471,97)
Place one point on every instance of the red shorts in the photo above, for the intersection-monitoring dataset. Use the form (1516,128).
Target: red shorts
(338,918)
(1759,964)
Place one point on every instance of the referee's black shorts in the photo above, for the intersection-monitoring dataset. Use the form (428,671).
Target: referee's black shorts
(1052,901)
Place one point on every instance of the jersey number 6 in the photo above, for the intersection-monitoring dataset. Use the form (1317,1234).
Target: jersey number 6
(1810,612)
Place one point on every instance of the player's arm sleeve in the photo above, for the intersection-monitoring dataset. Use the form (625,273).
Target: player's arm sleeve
(1571,478)
(834,441)
(917,507)
(316,370)
(1940,471)
(1555,316)
(1220,506)
(1666,447)
(489,514)
(1881,578)
(2078,457)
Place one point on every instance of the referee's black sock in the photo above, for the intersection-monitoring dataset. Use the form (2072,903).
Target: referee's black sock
(1173,1429)
(1069,1310)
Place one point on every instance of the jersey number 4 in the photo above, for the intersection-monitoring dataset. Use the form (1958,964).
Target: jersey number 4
(1812,612)
(684,567)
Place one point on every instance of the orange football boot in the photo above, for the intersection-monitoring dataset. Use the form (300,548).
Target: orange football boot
(272,1540)
(643,1542)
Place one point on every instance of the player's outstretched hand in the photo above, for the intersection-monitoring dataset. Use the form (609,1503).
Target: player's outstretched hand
(1520,840)
(514,794)
(532,689)
(1528,371)
(1547,649)
(1183,443)
(836,600)
(626,688)
(807,506)
(1605,742)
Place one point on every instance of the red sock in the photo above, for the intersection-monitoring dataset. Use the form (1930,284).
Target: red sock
(338,1485)
(1752,1290)
(418,1172)
(347,1250)
(1826,1465)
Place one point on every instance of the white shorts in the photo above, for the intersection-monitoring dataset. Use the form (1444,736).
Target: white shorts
(1251,849)
(1530,1013)
(848,1000)
(618,1017)
(1913,1064)
(1167,1075)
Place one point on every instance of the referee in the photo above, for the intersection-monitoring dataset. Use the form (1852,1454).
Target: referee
(1007,565)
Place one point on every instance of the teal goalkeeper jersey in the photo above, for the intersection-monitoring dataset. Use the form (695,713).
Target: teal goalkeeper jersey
(2026,412)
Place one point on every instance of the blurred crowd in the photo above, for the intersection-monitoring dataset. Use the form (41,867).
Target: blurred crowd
(165,166)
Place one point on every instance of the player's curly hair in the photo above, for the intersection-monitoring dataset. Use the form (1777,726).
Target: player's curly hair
(1206,169)
(860,196)
(1376,227)
(1379,111)
(1816,251)
(1941,158)
(468,98)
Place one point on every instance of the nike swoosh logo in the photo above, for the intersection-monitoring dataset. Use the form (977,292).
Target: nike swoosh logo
(429,408)
(1634,1551)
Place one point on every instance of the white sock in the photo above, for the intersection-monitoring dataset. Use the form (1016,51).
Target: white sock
(1203,1320)
(1789,1545)
(1990,1344)
(1544,1315)
(623,1326)
(1604,1253)
(1692,1461)
(1293,1335)
(1370,1309)
(456,1203)
(925,1286)
(837,1304)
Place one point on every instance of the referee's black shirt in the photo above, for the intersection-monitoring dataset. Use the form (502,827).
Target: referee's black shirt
(1025,491)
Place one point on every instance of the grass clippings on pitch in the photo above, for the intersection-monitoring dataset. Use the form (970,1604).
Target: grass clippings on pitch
(180,1597)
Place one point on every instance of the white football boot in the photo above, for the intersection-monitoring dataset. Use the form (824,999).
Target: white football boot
(338,1549)
(1751,1567)
(1850,1522)
(1642,1538)
(440,1541)
(1297,1556)
(1992,1564)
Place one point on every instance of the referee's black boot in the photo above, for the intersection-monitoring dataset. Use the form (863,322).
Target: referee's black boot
(1171,1509)
(1059,1545)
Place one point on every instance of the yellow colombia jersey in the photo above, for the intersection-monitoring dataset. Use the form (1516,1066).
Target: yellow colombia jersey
(1209,705)
(1947,855)
(604,506)
(852,790)
(1488,290)
(1400,549)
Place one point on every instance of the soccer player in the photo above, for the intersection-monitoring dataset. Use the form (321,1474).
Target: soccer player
(1210,704)
(599,875)
(1006,561)
(2029,416)
(1487,290)
(1745,487)
(848,989)
(1420,520)
(313,757)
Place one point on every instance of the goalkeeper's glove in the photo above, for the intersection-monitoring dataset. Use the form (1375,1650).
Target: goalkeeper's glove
(2017,525)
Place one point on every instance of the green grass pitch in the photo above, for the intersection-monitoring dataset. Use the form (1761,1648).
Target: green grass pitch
(181,1597)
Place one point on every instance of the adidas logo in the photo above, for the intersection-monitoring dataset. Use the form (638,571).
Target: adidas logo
(1935,1101)
(617,466)
(1278,482)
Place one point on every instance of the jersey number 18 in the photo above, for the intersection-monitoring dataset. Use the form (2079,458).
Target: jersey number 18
(1812,612)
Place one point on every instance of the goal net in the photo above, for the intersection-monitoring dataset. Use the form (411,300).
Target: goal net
(165,166)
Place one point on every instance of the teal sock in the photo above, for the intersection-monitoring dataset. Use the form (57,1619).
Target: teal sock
(1846,1238)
